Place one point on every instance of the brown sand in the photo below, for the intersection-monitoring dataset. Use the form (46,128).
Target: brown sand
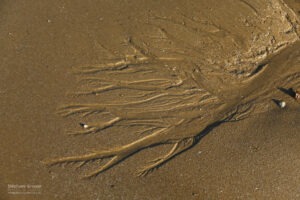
(237,52)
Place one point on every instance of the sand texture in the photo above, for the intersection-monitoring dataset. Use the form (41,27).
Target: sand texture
(150,100)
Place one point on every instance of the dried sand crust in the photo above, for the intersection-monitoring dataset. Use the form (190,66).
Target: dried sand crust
(186,74)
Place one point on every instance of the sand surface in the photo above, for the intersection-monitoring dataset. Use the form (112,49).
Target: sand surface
(113,85)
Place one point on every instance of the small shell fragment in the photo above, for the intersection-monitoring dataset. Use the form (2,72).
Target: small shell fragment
(297,95)
(282,104)
(83,125)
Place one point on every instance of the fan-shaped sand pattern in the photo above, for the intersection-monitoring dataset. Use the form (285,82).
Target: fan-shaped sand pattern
(180,95)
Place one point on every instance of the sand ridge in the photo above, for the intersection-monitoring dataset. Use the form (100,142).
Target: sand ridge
(171,97)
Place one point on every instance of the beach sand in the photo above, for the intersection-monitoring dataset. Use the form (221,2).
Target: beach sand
(240,53)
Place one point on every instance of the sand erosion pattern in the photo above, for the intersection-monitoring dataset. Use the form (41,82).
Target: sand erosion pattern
(187,75)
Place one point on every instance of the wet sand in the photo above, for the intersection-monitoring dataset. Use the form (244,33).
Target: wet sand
(255,158)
